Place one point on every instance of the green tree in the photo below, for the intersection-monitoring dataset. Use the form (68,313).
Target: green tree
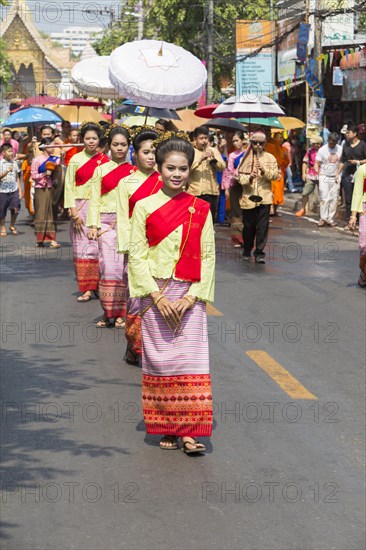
(5,66)
(185,23)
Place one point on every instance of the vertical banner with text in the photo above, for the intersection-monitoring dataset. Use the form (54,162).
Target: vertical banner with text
(254,75)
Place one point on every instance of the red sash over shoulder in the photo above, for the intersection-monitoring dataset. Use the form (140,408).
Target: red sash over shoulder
(85,172)
(112,179)
(186,210)
(151,185)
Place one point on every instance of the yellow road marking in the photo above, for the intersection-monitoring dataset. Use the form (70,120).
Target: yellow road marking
(280,375)
(213,311)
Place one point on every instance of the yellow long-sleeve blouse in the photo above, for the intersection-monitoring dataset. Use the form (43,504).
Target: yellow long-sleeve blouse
(358,196)
(124,192)
(157,262)
(98,203)
(73,192)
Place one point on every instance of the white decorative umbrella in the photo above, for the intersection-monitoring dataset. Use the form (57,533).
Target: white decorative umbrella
(91,76)
(154,73)
(248,107)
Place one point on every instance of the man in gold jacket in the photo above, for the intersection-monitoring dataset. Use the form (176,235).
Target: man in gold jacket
(256,171)
(207,161)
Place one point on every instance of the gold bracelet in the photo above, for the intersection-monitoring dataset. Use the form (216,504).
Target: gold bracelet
(191,302)
(158,299)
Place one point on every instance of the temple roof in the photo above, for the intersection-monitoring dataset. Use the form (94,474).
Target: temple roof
(57,58)
(88,52)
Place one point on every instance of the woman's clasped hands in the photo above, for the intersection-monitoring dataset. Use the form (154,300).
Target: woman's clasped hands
(172,311)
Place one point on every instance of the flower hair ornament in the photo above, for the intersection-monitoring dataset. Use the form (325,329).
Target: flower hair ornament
(170,135)
(90,122)
(136,131)
(115,125)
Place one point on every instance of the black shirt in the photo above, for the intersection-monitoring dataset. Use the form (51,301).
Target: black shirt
(352,153)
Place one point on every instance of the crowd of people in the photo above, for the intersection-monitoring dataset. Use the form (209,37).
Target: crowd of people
(142,204)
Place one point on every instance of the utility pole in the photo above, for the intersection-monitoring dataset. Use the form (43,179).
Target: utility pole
(210,45)
(111,16)
(273,90)
(307,94)
(317,41)
(140,24)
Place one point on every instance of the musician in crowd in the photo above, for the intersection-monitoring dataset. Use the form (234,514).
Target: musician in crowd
(203,177)
(256,171)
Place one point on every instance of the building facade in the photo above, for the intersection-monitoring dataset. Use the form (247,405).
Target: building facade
(77,38)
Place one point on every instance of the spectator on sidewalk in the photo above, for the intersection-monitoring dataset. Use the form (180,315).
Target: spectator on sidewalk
(309,175)
(354,155)
(7,138)
(326,165)
(10,190)
(207,160)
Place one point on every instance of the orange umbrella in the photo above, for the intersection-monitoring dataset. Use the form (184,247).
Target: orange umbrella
(78,114)
(291,122)
(188,120)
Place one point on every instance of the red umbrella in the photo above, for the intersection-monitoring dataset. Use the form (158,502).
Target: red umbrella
(43,99)
(206,111)
(81,102)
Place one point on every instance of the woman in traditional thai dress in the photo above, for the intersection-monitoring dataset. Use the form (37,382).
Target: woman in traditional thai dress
(77,194)
(143,183)
(233,189)
(358,206)
(101,220)
(172,271)
(43,169)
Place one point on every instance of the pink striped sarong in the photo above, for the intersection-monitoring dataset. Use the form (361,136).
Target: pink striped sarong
(176,384)
(112,287)
(362,239)
(133,320)
(85,252)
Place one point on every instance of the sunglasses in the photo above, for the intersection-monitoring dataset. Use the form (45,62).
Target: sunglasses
(257,142)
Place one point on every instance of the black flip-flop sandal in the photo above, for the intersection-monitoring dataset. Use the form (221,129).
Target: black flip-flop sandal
(81,299)
(131,358)
(169,439)
(194,449)
(362,281)
(103,323)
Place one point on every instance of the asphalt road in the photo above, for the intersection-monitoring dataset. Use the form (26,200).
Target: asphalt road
(285,467)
